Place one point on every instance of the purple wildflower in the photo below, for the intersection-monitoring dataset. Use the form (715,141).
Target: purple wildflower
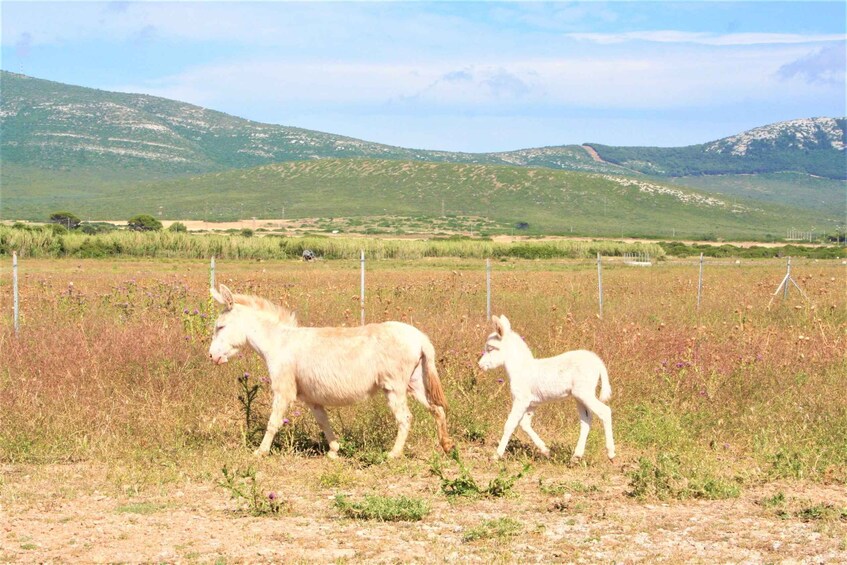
(501,381)
(272,495)
(285,421)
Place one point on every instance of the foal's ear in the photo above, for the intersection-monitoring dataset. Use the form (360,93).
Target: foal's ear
(223,297)
(501,324)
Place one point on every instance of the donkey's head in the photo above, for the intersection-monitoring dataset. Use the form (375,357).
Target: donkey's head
(492,355)
(230,332)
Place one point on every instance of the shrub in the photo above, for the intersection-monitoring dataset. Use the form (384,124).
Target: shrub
(66,219)
(144,222)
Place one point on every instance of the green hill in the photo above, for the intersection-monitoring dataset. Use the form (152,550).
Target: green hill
(546,200)
(813,146)
(109,155)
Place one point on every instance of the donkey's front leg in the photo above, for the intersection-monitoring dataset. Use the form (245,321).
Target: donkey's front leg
(323,421)
(519,408)
(283,397)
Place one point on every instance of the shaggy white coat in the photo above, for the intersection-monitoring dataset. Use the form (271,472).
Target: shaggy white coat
(331,366)
(536,381)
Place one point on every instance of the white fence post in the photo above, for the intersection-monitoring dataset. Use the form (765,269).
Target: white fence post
(362,292)
(212,273)
(700,282)
(600,284)
(15,290)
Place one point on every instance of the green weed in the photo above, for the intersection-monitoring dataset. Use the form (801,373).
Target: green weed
(465,485)
(666,478)
(383,508)
(243,486)
(500,529)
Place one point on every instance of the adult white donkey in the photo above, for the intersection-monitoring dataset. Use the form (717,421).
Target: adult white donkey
(331,366)
(535,381)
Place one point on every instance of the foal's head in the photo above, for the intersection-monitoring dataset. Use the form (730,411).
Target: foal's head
(492,355)
(242,314)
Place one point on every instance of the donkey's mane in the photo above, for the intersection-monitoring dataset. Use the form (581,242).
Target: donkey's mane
(281,313)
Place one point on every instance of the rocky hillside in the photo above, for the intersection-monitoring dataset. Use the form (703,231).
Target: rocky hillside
(813,146)
(58,126)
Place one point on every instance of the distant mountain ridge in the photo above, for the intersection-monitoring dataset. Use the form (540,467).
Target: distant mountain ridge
(54,125)
(64,146)
(813,146)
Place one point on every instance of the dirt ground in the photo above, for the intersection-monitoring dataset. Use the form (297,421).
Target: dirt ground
(85,512)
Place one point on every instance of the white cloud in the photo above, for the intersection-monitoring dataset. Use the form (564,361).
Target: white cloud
(705,38)
(677,78)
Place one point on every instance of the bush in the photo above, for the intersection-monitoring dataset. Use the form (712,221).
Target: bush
(178,227)
(66,219)
(144,222)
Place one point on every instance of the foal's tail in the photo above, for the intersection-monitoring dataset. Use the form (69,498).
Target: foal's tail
(605,387)
(435,394)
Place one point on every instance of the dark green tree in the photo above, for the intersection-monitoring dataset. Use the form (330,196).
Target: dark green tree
(66,219)
(144,222)
(177,227)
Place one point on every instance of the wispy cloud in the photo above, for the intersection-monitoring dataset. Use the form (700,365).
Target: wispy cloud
(825,66)
(705,38)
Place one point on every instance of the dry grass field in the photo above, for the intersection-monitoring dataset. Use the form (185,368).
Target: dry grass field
(121,442)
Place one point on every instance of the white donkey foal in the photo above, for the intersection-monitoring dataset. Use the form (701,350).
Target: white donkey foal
(536,381)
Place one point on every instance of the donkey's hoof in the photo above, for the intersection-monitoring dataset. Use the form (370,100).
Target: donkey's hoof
(332,454)
(576,459)
(495,457)
(260,453)
(545,453)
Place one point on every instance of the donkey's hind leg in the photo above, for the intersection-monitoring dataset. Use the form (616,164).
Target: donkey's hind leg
(400,408)
(323,421)
(526,426)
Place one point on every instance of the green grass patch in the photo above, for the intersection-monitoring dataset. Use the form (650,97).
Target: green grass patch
(383,508)
(464,485)
(498,529)
(140,508)
(666,477)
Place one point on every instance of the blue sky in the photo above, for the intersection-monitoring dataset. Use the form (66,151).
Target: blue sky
(472,76)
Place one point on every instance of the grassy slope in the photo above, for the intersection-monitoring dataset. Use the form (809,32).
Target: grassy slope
(795,189)
(550,201)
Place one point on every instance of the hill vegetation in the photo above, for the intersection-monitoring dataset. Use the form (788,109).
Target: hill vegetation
(109,155)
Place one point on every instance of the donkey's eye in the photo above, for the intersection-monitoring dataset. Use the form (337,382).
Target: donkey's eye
(219,328)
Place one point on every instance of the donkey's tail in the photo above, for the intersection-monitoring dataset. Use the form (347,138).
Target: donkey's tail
(605,387)
(432,384)
(435,394)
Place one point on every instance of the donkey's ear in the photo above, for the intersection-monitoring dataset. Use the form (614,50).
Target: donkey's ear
(223,297)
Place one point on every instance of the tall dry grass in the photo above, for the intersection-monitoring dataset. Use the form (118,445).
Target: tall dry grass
(114,365)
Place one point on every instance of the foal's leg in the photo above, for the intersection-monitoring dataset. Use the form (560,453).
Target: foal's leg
(584,426)
(323,421)
(284,395)
(398,405)
(526,426)
(519,408)
(605,414)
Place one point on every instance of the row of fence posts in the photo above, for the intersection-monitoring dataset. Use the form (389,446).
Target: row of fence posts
(783,286)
